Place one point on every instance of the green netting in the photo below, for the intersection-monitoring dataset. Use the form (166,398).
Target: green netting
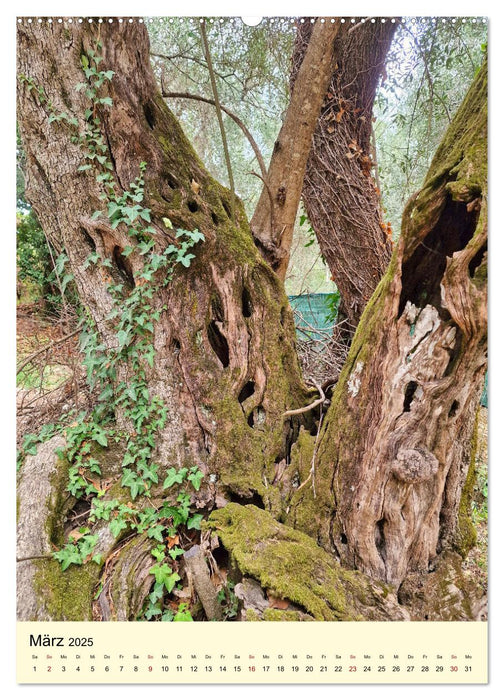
(311,314)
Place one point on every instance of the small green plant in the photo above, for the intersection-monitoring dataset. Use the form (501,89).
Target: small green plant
(78,550)
(333,303)
(229,601)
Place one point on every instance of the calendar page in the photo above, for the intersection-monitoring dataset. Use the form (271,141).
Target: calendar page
(252,350)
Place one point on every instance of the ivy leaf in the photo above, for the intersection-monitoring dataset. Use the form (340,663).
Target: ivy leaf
(117,525)
(123,337)
(174,477)
(194,522)
(176,552)
(156,532)
(100,436)
(163,574)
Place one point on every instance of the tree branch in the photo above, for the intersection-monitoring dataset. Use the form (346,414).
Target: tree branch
(31,357)
(234,117)
(219,117)
(304,409)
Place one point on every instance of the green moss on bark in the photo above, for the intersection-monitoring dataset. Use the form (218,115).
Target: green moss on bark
(466,536)
(294,567)
(66,595)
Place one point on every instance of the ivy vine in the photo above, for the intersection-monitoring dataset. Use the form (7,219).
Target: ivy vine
(133,317)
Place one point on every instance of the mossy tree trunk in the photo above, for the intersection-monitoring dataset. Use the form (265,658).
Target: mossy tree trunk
(393,455)
(225,364)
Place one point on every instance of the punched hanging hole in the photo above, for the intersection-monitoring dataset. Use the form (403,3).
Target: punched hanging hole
(251,21)
(219,343)
(192,206)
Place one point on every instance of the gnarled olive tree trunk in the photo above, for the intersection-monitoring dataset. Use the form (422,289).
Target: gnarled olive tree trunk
(225,365)
(393,455)
(339,192)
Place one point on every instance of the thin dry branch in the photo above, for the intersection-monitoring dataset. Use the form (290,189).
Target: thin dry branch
(234,117)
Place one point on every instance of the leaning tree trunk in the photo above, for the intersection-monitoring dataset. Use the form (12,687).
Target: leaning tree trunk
(392,456)
(272,224)
(339,192)
(225,366)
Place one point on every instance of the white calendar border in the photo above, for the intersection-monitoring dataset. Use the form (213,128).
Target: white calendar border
(259,8)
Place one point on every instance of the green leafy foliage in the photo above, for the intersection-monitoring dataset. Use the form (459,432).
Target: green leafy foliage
(78,550)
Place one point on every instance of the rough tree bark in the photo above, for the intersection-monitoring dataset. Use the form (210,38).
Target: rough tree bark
(225,367)
(339,192)
(393,454)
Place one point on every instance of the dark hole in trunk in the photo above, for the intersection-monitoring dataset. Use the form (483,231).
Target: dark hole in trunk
(453,409)
(454,353)
(192,206)
(247,307)
(343,538)
(256,417)
(423,271)
(76,518)
(254,500)
(380,537)
(227,208)
(215,218)
(124,267)
(219,343)
(477,260)
(89,240)
(175,346)
(149,115)
(408,395)
(291,437)
(170,181)
(247,390)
